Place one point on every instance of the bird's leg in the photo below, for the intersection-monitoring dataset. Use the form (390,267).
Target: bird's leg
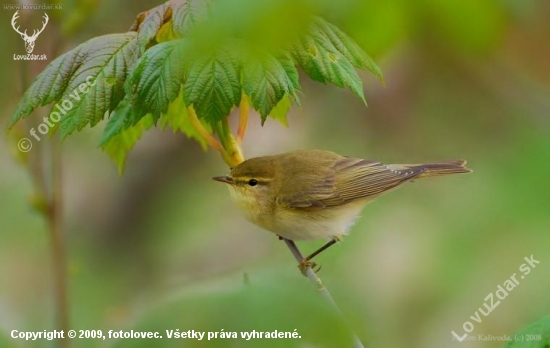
(305,263)
(321,249)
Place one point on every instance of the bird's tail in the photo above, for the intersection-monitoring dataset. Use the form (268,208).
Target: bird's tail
(441,168)
(427,170)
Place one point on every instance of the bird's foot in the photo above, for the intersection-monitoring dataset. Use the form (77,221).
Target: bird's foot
(305,264)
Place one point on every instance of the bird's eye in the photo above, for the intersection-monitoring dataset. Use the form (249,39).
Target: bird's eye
(252,182)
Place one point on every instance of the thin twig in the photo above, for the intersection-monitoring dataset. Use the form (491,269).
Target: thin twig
(319,284)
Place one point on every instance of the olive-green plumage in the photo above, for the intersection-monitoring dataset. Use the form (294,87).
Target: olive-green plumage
(314,194)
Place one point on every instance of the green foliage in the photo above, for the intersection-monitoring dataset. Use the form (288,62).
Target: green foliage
(104,61)
(212,84)
(267,80)
(328,55)
(187,14)
(177,118)
(280,110)
(151,24)
(536,335)
(121,135)
(156,80)
(180,47)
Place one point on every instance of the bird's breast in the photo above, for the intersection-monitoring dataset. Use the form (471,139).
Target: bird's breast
(299,224)
(325,223)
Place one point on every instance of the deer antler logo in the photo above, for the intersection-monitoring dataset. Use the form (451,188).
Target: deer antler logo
(29,40)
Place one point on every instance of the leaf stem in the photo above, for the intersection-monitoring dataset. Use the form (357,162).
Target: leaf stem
(227,145)
(223,130)
(210,140)
(243,119)
(319,284)
(232,153)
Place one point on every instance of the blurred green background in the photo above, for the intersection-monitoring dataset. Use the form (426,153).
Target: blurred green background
(163,248)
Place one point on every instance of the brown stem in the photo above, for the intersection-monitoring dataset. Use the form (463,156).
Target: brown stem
(243,119)
(55,222)
(59,254)
(51,208)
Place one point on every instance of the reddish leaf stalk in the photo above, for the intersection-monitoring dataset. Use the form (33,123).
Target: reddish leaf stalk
(210,140)
(243,119)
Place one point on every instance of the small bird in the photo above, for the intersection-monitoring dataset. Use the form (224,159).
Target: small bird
(316,194)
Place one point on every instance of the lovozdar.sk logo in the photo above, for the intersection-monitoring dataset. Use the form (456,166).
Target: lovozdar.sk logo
(29,39)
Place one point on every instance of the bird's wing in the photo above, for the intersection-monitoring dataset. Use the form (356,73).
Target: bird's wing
(349,179)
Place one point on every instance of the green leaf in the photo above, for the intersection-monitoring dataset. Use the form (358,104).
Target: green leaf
(327,55)
(100,65)
(213,84)
(266,81)
(122,118)
(187,14)
(157,78)
(166,33)
(346,46)
(536,335)
(121,142)
(280,110)
(107,60)
(50,84)
(85,82)
(290,68)
(151,24)
(208,67)
(177,118)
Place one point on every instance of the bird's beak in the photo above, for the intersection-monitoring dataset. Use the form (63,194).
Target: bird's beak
(225,179)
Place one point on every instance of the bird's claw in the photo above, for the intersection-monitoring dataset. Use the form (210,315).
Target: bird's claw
(305,264)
